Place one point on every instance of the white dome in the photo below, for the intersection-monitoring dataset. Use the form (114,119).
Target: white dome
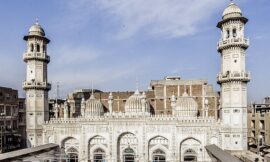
(36,29)
(93,107)
(186,106)
(232,11)
(137,103)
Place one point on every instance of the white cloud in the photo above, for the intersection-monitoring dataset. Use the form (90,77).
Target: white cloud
(166,18)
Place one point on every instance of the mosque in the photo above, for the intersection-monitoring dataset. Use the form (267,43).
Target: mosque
(172,121)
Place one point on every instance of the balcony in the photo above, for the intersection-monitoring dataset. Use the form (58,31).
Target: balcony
(243,76)
(36,56)
(36,85)
(242,42)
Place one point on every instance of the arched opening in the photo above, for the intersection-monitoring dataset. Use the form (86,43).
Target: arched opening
(72,154)
(31,47)
(38,48)
(71,147)
(158,148)
(127,146)
(190,155)
(159,156)
(190,150)
(227,33)
(97,148)
(129,155)
(99,155)
(234,33)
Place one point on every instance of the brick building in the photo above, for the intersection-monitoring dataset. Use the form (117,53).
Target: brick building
(12,120)
(159,96)
(259,127)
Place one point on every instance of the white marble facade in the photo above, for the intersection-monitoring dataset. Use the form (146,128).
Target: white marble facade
(136,134)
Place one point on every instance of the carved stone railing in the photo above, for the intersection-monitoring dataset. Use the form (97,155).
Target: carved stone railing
(243,76)
(36,85)
(244,42)
(147,118)
(36,56)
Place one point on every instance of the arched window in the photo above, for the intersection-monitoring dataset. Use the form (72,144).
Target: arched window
(227,33)
(159,156)
(99,155)
(72,154)
(38,48)
(44,48)
(129,155)
(31,47)
(234,33)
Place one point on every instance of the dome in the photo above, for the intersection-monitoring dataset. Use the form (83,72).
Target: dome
(137,103)
(232,11)
(36,29)
(93,107)
(186,106)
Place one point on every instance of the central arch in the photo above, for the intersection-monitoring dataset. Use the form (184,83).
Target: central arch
(158,149)
(97,145)
(71,147)
(190,150)
(127,147)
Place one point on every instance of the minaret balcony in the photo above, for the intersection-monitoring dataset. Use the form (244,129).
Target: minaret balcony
(231,42)
(36,56)
(244,77)
(36,85)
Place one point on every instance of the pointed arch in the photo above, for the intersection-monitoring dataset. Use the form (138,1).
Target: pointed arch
(126,140)
(190,149)
(155,143)
(38,48)
(94,143)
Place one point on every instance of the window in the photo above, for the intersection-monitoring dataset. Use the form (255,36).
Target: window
(262,124)
(31,47)
(159,156)
(129,155)
(38,48)
(8,111)
(234,33)
(228,33)
(2,110)
(99,155)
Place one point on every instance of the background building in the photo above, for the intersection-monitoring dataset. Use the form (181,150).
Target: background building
(12,120)
(259,127)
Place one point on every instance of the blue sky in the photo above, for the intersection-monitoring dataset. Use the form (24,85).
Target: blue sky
(114,42)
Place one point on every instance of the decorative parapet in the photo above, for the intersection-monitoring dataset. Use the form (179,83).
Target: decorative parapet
(128,116)
(241,42)
(36,56)
(244,76)
(36,85)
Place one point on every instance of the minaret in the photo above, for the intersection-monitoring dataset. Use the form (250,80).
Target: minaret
(233,78)
(36,84)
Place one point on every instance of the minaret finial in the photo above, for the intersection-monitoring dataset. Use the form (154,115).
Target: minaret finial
(92,89)
(37,21)
(137,86)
